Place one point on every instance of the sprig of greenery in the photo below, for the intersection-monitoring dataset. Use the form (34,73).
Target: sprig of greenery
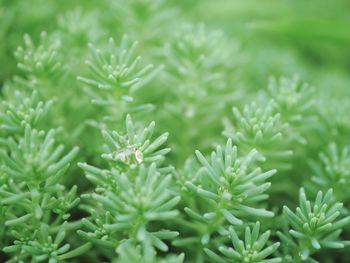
(233,182)
(136,146)
(250,250)
(313,226)
(229,189)
(39,61)
(260,127)
(117,71)
(34,204)
(129,196)
(22,111)
(332,169)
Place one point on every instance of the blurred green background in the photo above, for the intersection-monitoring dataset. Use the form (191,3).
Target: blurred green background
(310,38)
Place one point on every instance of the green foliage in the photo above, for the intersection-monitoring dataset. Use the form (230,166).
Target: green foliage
(332,170)
(197,56)
(128,204)
(130,196)
(136,146)
(119,70)
(313,225)
(38,61)
(250,250)
(78,27)
(35,205)
(219,75)
(231,185)
(22,111)
(147,254)
(295,102)
(261,128)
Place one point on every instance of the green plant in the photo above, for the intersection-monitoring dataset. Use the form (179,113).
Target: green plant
(261,128)
(82,181)
(133,194)
(250,250)
(35,205)
(22,111)
(331,171)
(313,226)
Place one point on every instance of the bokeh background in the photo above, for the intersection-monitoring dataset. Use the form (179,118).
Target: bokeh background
(310,37)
